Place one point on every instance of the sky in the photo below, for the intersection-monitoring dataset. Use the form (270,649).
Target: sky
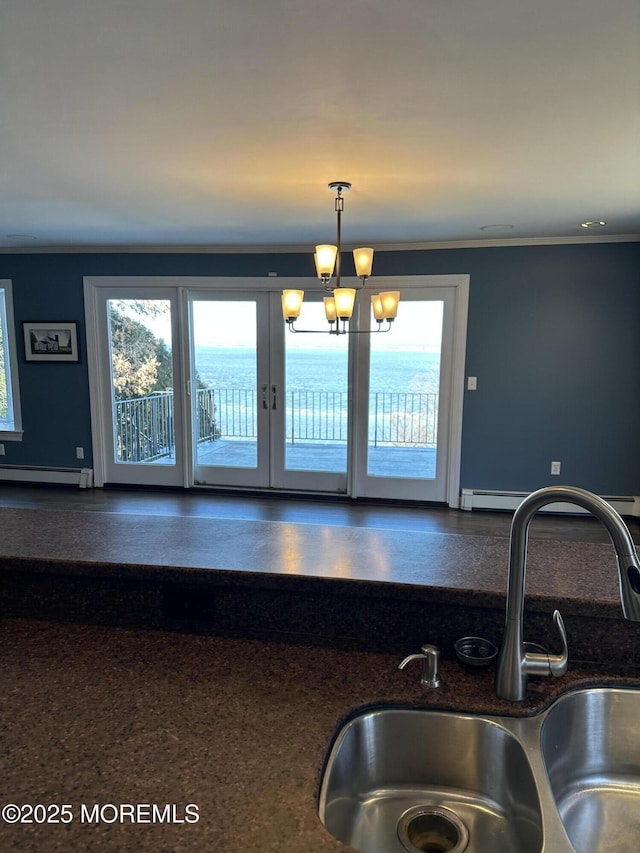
(231,323)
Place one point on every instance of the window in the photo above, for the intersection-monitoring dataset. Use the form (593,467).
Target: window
(10,420)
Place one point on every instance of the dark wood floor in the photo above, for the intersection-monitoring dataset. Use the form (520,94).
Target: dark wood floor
(332,512)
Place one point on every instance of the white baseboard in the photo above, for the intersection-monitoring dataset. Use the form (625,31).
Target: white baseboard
(487,499)
(82,477)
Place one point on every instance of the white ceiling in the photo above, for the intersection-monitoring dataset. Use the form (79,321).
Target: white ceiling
(220,122)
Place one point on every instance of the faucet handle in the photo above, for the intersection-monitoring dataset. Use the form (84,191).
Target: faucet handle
(558,663)
(545,664)
(430,657)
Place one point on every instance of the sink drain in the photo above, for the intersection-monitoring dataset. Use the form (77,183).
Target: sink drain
(430,829)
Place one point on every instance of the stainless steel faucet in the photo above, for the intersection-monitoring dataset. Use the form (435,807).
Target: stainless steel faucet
(514,664)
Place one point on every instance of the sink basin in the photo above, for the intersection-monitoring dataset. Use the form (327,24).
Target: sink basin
(408,780)
(591,751)
(564,781)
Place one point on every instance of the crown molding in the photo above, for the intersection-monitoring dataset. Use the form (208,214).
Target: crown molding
(297,249)
(511,241)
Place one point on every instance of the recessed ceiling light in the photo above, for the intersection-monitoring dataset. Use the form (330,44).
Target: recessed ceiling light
(496,227)
(593,223)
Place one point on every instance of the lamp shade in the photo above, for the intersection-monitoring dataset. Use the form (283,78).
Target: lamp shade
(376,304)
(325,258)
(389,300)
(344,299)
(363,260)
(330,308)
(292,303)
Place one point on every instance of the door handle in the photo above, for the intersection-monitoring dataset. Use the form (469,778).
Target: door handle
(264,389)
(273,397)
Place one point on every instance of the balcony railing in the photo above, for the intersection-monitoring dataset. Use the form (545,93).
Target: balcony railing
(144,425)
(144,428)
(403,418)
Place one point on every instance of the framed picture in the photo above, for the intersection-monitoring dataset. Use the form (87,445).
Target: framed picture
(50,342)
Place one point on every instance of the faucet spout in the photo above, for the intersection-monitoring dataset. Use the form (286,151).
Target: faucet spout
(513,662)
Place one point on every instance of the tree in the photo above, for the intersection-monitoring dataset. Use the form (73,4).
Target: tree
(141,360)
(142,365)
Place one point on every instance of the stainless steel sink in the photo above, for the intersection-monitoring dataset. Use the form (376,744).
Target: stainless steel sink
(400,780)
(591,750)
(565,780)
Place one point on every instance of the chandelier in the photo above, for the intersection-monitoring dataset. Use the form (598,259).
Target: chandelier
(338,307)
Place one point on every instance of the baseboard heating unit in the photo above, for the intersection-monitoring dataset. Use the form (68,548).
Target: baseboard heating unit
(82,477)
(487,499)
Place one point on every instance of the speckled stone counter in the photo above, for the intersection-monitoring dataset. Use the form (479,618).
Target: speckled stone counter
(348,587)
(135,546)
(239,728)
(266,635)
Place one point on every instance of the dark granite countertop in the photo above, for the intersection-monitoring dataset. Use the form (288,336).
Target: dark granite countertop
(581,575)
(96,715)
(108,715)
(387,590)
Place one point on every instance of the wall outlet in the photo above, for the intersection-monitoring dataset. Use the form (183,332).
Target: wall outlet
(555,468)
(79,452)
(1,449)
(472,383)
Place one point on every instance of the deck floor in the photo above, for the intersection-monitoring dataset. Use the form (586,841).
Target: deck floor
(382,461)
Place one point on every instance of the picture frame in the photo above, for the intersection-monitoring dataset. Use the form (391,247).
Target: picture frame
(50,341)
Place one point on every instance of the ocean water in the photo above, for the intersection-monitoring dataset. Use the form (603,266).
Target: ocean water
(321,370)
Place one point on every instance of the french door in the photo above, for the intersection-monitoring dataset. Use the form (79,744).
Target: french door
(205,386)
(230,391)
(262,413)
(311,437)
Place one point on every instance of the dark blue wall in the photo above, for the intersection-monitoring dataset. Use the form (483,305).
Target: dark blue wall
(553,337)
